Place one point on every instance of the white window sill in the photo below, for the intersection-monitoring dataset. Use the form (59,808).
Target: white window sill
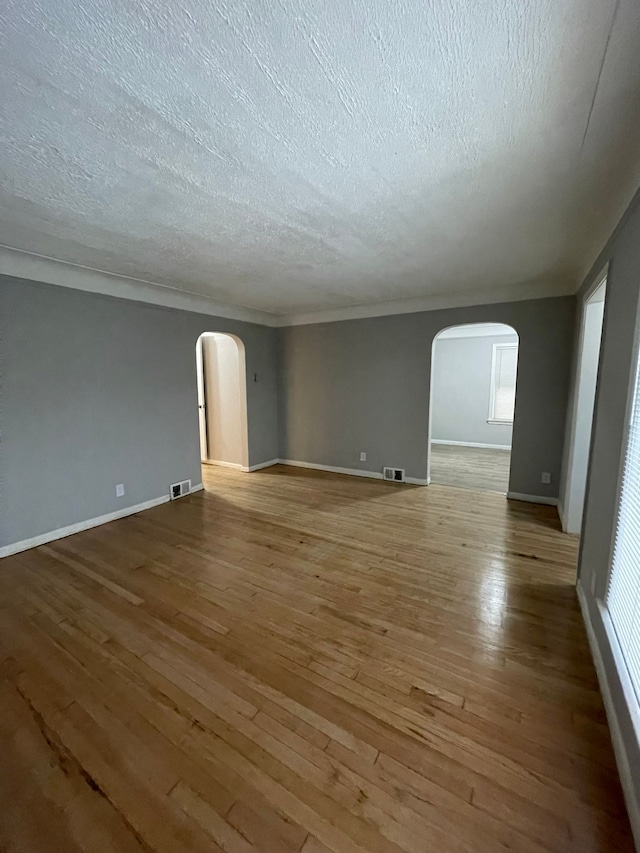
(498,421)
(628,690)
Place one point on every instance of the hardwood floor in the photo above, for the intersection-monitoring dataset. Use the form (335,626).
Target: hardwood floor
(296,660)
(482,468)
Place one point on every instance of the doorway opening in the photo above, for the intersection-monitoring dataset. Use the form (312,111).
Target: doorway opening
(473,395)
(582,420)
(222,400)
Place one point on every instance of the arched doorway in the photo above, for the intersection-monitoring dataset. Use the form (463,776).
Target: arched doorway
(472,406)
(222,400)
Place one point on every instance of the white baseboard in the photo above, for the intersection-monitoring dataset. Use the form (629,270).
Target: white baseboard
(631,796)
(471,444)
(532,499)
(354,472)
(221,464)
(563,523)
(260,465)
(560,509)
(245,468)
(61,532)
(79,526)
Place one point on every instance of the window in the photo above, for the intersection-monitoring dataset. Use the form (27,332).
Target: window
(503,383)
(623,592)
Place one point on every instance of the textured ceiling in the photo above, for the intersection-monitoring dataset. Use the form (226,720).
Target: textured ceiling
(294,155)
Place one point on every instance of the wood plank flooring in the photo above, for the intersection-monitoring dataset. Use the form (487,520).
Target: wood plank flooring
(482,468)
(300,661)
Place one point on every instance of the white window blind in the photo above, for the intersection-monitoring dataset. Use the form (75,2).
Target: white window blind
(623,593)
(503,382)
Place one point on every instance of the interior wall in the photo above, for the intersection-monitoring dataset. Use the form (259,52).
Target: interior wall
(363,385)
(617,358)
(98,391)
(585,399)
(224,399)
(461,392)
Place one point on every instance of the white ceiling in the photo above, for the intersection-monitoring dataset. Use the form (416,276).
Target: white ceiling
(301,155)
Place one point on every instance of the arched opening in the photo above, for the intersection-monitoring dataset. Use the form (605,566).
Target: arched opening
(472,406)
(222,400)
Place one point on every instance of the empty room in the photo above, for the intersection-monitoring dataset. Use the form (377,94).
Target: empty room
(320,426)
(473,397)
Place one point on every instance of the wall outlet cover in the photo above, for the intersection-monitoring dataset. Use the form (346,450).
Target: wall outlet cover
(363,457)
(546,478)
(120,490)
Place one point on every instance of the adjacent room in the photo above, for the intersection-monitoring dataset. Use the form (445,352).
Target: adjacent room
(222,400)
(473,396)
(320,426)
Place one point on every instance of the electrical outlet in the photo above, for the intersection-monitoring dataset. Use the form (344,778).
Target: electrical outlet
(363,457)
(120,490)
(546,478)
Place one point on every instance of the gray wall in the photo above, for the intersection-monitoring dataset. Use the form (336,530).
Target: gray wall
(98,391)
(461,391)
(364,385)
(607,448)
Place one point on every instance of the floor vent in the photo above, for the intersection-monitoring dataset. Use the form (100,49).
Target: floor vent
(177,490)
(395,475)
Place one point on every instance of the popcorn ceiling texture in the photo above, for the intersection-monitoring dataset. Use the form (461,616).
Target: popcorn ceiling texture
(294,155)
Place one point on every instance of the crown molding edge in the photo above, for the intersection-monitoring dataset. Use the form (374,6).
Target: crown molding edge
(21,264)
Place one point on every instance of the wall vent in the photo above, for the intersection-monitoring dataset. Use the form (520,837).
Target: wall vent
(177,490)
(394,475)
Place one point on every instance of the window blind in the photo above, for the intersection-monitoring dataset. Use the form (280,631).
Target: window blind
(505,364)
(623,592)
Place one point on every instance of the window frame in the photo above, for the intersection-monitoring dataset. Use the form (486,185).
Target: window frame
(492,419)
(600,586)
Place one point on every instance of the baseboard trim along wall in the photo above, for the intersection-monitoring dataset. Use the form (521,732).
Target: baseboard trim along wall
(575,533)
(354,472)
(631,796)
(221,464)
(532,499)
(471,444)
(377,475)
(560,509)
(260,465)
(61,532)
